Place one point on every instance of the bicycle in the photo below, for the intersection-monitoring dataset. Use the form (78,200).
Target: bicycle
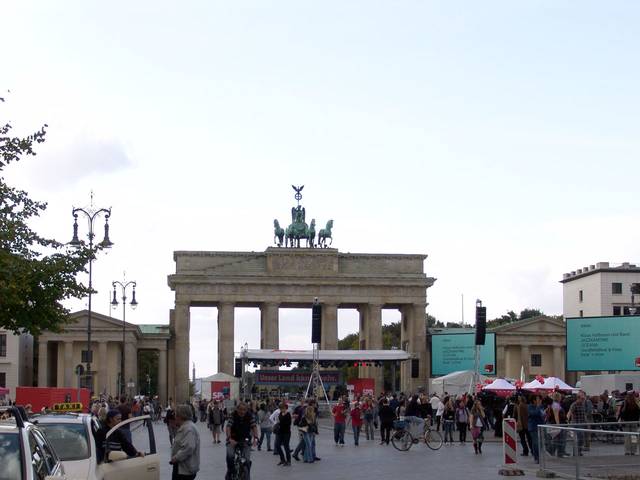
(402,439)
(240,463)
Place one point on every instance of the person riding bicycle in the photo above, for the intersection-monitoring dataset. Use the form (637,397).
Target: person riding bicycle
(241,428)
(412,416)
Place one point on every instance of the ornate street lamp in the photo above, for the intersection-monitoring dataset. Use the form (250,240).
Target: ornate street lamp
(114,304)
(91,214)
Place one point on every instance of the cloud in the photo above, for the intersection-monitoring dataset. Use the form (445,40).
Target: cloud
(65,165)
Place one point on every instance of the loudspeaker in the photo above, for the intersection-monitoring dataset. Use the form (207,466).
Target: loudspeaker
(316,323)
(481,324)
(415,367)
(238,372)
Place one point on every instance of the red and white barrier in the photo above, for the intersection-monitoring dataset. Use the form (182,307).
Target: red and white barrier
(509,445)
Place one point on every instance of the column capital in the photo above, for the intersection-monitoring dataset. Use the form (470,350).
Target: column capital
(268,304)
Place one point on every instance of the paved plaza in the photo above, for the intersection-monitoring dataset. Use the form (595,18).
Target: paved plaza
(369,460)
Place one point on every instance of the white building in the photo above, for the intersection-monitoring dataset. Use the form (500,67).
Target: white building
(600,290)
(16,362)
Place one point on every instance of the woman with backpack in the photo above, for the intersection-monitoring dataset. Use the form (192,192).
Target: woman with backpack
(368,415)
(478,424)
(462,419)
(449,418)
(309,427)
(215,419)
(556,415)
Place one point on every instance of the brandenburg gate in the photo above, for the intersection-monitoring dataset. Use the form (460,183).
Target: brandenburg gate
(291,277)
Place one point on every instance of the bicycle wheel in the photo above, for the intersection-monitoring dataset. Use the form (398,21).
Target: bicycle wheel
(433,439)
(402,440)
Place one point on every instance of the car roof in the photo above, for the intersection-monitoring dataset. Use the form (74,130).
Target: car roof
(60,418)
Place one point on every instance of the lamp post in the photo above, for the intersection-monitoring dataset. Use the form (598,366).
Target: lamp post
(114,304)
(91,213)
(635,290)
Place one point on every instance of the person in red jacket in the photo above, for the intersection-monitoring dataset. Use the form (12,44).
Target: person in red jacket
(356,421)
(339,421)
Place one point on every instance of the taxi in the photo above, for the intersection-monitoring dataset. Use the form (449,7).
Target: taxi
(72,437)
(25,451)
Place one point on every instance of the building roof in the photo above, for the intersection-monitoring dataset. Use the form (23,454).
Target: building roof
(346,355)
(449,331)
(599,267)
(155,328)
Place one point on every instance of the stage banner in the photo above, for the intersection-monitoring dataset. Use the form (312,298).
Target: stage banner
(287,378)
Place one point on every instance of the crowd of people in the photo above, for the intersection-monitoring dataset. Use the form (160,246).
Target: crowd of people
(530,411)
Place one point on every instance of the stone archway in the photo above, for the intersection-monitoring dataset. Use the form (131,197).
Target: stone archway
(283,277)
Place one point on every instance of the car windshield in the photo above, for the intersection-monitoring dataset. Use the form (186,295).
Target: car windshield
(11,468)
(69,440)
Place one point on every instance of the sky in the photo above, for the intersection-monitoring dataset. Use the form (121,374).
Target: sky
(499,138)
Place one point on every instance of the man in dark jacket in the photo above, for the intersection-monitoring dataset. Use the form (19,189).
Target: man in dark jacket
(387,416)
(117,441)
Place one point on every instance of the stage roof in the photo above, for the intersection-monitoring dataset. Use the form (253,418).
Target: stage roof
(328,355)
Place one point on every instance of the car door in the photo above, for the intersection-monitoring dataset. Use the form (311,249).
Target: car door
(138,468)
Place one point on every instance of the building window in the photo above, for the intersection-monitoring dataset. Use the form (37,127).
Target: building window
(625,311)
(616,288)
(536,359)
(616,311)
(580,295)
(581,313)
(3,380)
(3,344)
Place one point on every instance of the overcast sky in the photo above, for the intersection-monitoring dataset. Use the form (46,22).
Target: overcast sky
(499,138)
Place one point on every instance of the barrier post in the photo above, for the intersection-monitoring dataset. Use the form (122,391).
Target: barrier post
(509,442)
(509,448)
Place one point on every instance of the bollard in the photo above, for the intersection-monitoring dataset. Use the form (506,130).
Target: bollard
(509,448)
(509,444)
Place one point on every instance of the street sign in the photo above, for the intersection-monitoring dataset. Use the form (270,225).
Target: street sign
(131,385)
(67,407)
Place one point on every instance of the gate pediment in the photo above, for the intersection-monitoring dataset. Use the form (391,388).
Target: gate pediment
(304,262)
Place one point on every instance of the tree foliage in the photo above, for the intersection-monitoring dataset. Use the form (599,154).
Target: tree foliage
(512,316)
(36,273)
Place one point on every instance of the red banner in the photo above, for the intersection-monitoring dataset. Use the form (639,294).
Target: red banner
(220,390)
(284,377)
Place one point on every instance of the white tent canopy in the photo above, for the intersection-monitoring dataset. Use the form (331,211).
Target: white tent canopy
(234,385)
(500,384)
(328,355)
(550,383)
(456,383)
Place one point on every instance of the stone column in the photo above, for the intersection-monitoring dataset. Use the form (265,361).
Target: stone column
(103,382)
(225,337)
(269,326)
(182,322)
(43,363)
(501,362)
(131,367)
(171,361)
(525,359)
(68,365)
(558,364)
(374,330)
(329,339)
(162,375)
(413,335)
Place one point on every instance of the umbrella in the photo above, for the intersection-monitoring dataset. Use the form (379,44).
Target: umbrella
(500,387)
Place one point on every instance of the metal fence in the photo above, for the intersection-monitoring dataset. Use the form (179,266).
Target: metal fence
(600,450)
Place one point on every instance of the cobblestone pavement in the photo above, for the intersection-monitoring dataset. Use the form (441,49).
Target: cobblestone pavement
(369,460)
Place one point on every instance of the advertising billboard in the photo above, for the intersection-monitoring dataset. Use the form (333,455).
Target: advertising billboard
(451,352)
(603,343)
